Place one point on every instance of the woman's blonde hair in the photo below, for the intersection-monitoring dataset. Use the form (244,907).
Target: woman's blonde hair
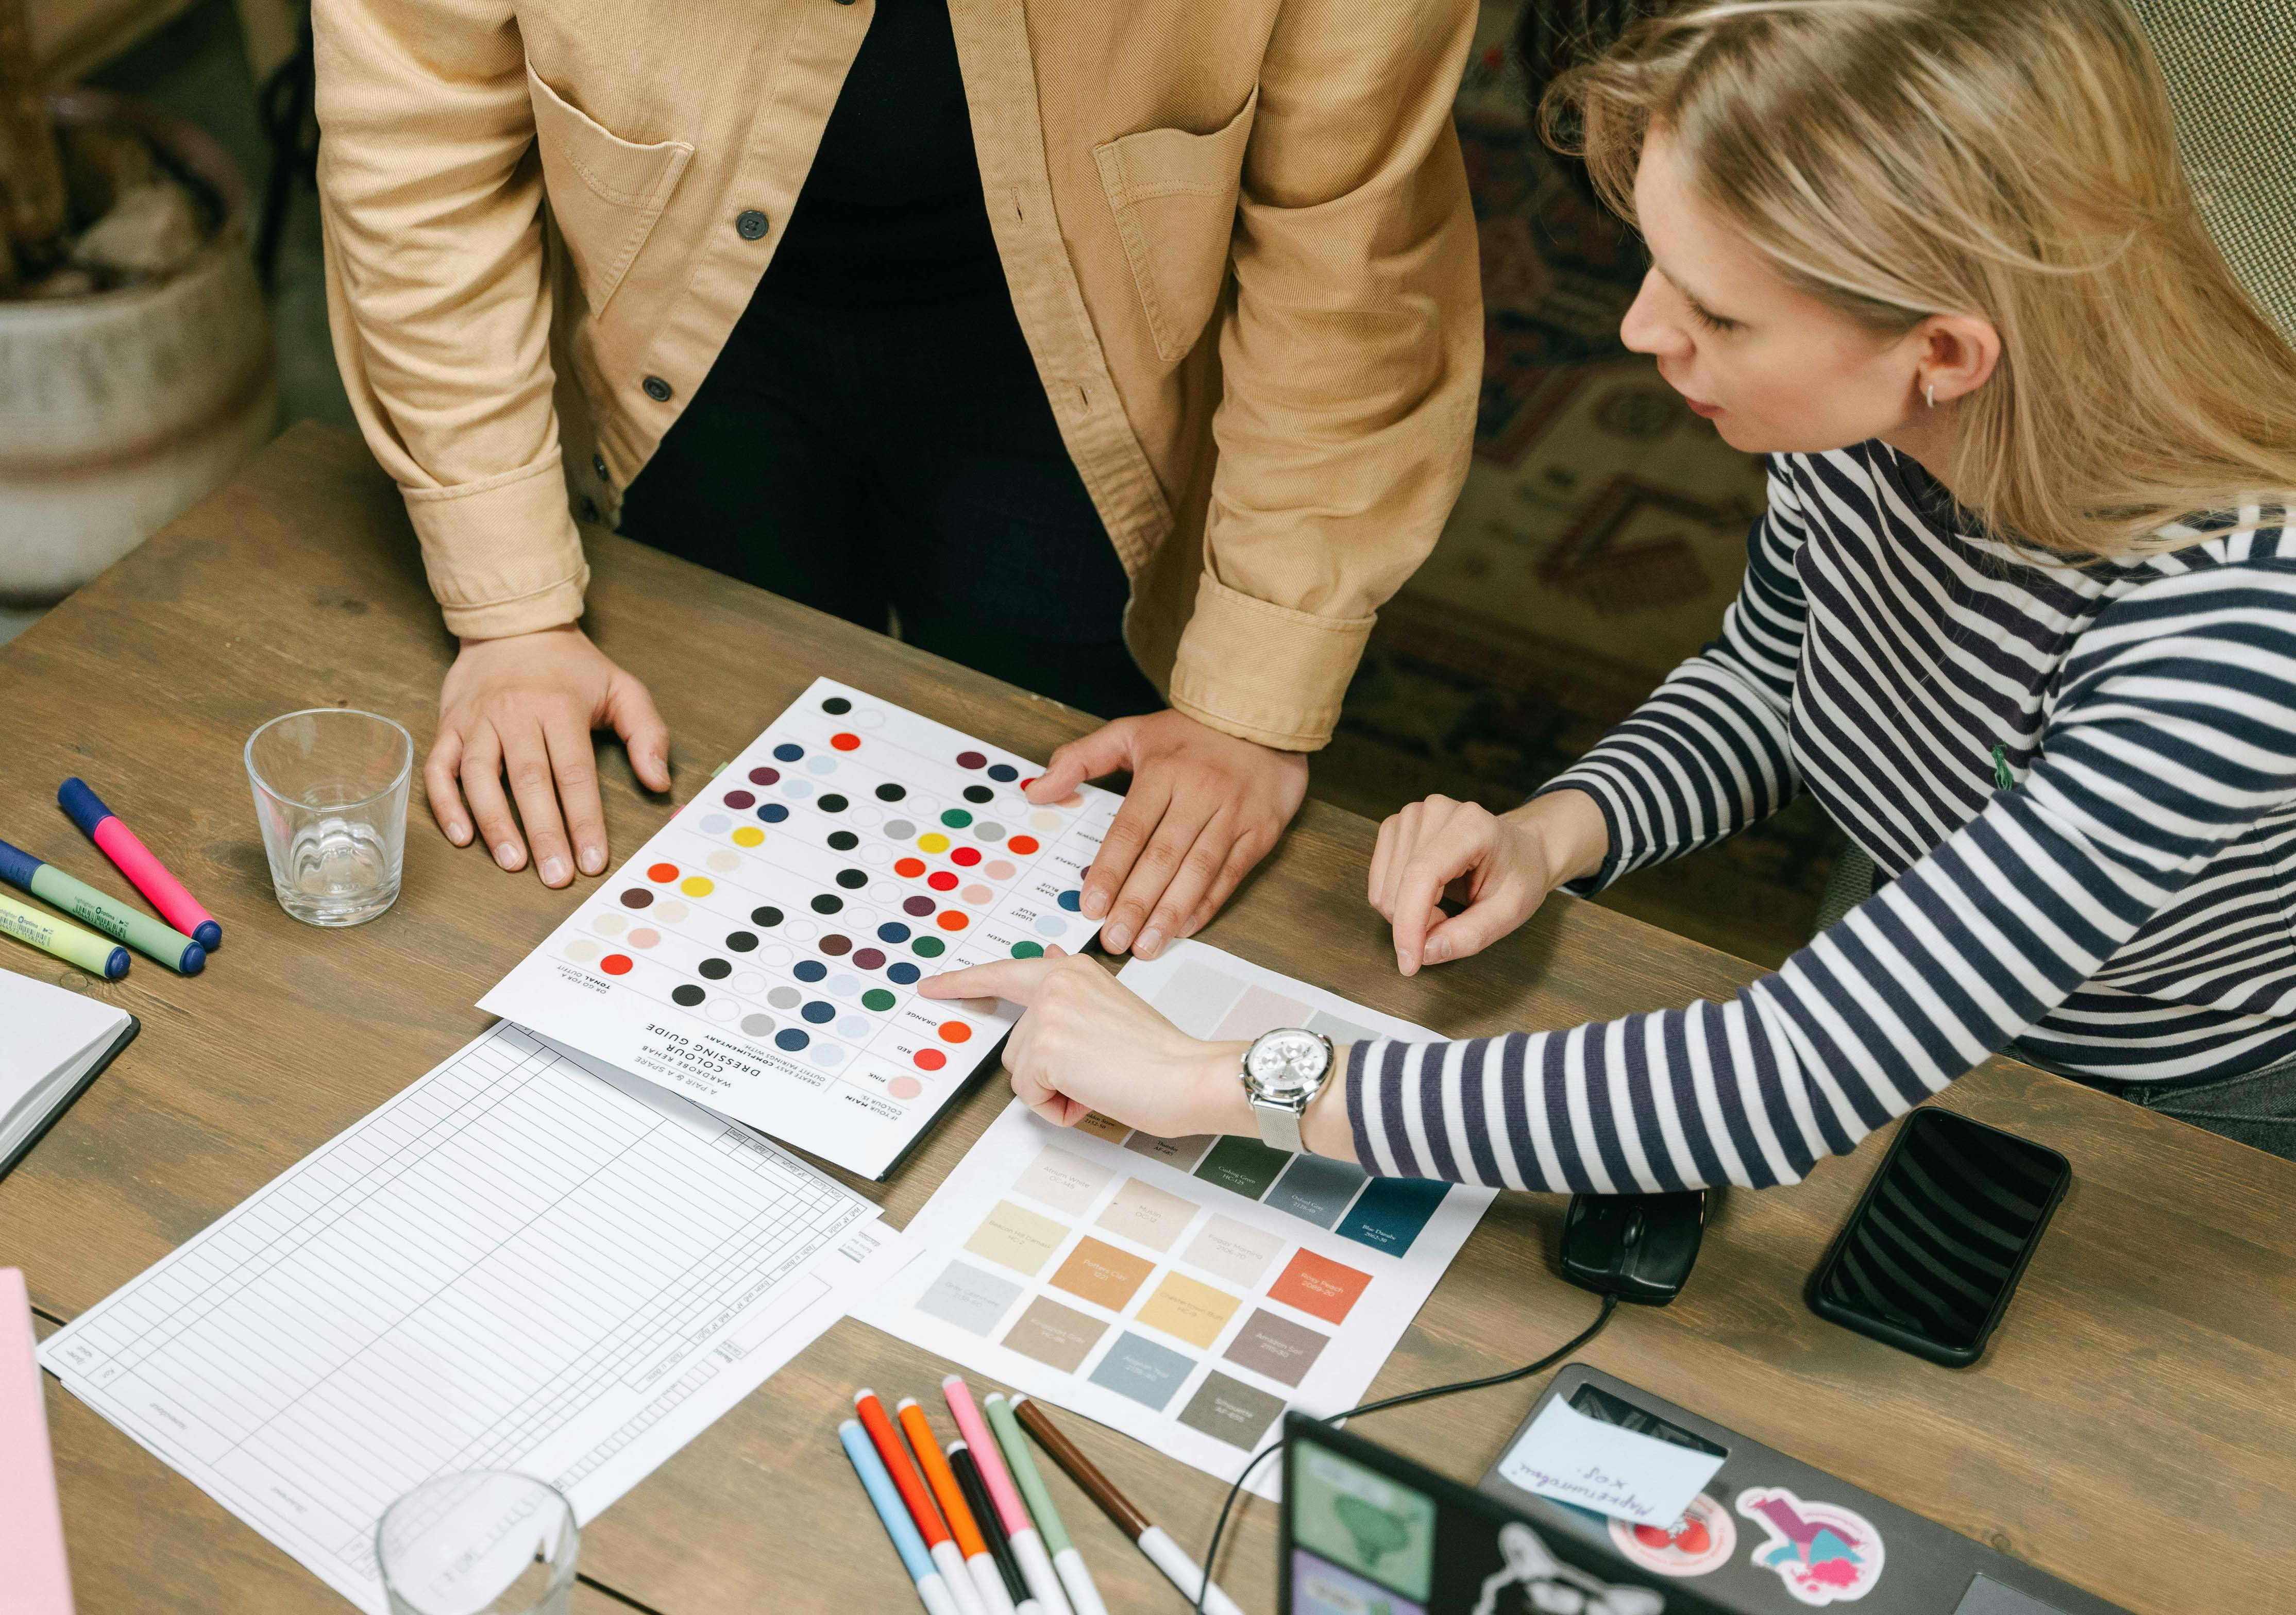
(2013,159)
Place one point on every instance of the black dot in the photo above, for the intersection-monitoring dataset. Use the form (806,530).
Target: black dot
(827,904)
(837,706)
(852,879)
(767,917)
(741,941)
(834,803)
(688,995)
(979,793)
(715,969)
(891,793)
(843,840)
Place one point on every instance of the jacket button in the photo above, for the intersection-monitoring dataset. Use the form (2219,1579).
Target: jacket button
(598,464)
(750,223)
(656,389)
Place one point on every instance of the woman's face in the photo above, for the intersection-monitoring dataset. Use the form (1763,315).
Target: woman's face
(1773,368)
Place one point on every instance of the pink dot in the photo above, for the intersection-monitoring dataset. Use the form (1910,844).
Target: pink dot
(645,936)
(976,895)
(905,1088)
(1000,871)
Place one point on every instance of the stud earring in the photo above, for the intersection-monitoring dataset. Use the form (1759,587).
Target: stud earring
(1930,393)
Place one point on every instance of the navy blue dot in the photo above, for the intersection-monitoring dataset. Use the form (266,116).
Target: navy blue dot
(789,751)
(892,931)
(903,973)
(808,969)
(819,1013)
(1003,774)
(772,813)
(1072,901)
(788,1038)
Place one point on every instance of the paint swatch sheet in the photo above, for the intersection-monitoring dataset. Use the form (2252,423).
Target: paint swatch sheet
(524,1261)
(758,955)
(1184,1291)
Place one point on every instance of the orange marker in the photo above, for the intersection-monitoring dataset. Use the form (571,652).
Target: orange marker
(906,1481)
(986,1578)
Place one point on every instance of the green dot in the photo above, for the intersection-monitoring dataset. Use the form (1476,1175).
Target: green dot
(877,998)
(956,818)
(929,947)
(1027,950)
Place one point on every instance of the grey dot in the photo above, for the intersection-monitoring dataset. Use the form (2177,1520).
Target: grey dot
(758,1026)
(987,832)
(785,997)
(900,829)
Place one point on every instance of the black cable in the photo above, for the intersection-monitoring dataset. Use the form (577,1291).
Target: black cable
(1219,1527)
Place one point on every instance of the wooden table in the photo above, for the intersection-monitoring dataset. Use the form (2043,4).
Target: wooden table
(2131,1429)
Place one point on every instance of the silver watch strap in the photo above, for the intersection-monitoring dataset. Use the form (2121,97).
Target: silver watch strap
(1279,1127)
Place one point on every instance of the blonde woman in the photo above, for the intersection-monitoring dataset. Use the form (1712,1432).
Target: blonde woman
(2021,615)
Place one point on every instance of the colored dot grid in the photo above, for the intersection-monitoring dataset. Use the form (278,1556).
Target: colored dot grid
(965,859)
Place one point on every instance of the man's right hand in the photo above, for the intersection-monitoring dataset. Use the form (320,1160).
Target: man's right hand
(524,708)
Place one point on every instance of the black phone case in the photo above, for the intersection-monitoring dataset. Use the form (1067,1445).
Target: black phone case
(1889,1334)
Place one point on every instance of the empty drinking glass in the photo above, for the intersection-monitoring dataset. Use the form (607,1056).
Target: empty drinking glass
(331,794)
(485,1542)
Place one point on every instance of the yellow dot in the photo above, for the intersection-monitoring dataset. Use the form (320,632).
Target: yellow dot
(748,835)
(697,886)
(935,842)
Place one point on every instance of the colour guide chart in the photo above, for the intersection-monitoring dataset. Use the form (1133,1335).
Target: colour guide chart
(523,1261)
(1184,1291)
(759,954)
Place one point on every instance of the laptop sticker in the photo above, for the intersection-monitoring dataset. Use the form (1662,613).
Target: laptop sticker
(1698,1543)
(1822,1552)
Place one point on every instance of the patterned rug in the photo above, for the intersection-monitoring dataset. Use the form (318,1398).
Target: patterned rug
(1601,536)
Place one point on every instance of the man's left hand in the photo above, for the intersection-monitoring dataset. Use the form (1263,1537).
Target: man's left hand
(1204,808)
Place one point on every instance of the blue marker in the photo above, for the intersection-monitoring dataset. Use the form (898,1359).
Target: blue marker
(931,1590)
(82,901)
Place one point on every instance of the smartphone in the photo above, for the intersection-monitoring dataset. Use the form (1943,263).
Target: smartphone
(1929,1260)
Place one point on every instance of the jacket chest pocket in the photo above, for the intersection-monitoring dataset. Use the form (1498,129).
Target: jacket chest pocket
(605,192)
(1174,195)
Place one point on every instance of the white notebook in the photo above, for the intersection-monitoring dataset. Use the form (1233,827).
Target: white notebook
(59,1040)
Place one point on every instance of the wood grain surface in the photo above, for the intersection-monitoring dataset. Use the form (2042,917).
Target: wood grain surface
(2131,1428)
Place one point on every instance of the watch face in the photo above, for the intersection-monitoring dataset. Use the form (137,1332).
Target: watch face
(1287,1065)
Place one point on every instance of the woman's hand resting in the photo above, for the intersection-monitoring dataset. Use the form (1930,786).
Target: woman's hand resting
(1500,865)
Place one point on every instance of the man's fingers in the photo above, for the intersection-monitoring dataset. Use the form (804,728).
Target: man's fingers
(631,711)
(1247,851)
(1184,894)
(574,765)
(1135,822)
(1014,980)
(445,797)
(482,778)
(1105,750)
(1152,871)
(525,760)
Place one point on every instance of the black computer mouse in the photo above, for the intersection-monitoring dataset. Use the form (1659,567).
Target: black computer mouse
(1637,1247)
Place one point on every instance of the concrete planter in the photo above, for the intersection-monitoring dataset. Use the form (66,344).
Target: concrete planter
(120,409)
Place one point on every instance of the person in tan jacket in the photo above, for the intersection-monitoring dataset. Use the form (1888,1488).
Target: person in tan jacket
(1129,352)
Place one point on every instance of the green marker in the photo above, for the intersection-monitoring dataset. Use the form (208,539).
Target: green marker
(84,948)
(77,899)
(1067,1562)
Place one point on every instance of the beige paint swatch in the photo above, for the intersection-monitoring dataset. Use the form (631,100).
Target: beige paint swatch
(1188,1309)
(1147,1214)
(1015,1238)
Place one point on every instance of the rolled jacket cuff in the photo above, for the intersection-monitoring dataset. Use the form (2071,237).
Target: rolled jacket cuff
(503,555)
(1265,672)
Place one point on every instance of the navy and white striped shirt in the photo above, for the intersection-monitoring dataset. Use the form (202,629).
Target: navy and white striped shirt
(2123,909)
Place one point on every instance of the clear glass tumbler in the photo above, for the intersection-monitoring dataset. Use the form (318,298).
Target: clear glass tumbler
(485,1542)
(331,794)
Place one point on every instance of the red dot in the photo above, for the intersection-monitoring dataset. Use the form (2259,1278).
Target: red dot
(663,874)
(845,742)
(966,856)
(909,869)
(970,760)
(955,1031)
(615,965)
(1022,844)
(940,880)
(950,920)
(931,1059)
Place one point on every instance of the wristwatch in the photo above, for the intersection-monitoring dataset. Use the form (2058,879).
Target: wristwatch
(1283,1071)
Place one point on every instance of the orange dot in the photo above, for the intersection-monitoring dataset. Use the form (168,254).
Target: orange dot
(950,920)
(845,742)
(1022,844)
(909,868)
(955,1031)
(662,872)
(615,965)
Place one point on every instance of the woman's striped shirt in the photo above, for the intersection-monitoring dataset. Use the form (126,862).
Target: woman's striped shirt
(2121,905)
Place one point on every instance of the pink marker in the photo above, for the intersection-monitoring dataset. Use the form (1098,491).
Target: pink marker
(1028,1547)
(134,860)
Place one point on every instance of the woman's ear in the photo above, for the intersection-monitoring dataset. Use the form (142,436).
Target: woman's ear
(1954,356)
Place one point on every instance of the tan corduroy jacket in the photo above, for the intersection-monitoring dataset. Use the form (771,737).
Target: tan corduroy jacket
(1236,232)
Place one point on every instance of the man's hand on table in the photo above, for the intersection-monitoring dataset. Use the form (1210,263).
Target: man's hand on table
(524,708)
(1204,808)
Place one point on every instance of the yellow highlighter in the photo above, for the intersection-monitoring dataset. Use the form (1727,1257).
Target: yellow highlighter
(84,948)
